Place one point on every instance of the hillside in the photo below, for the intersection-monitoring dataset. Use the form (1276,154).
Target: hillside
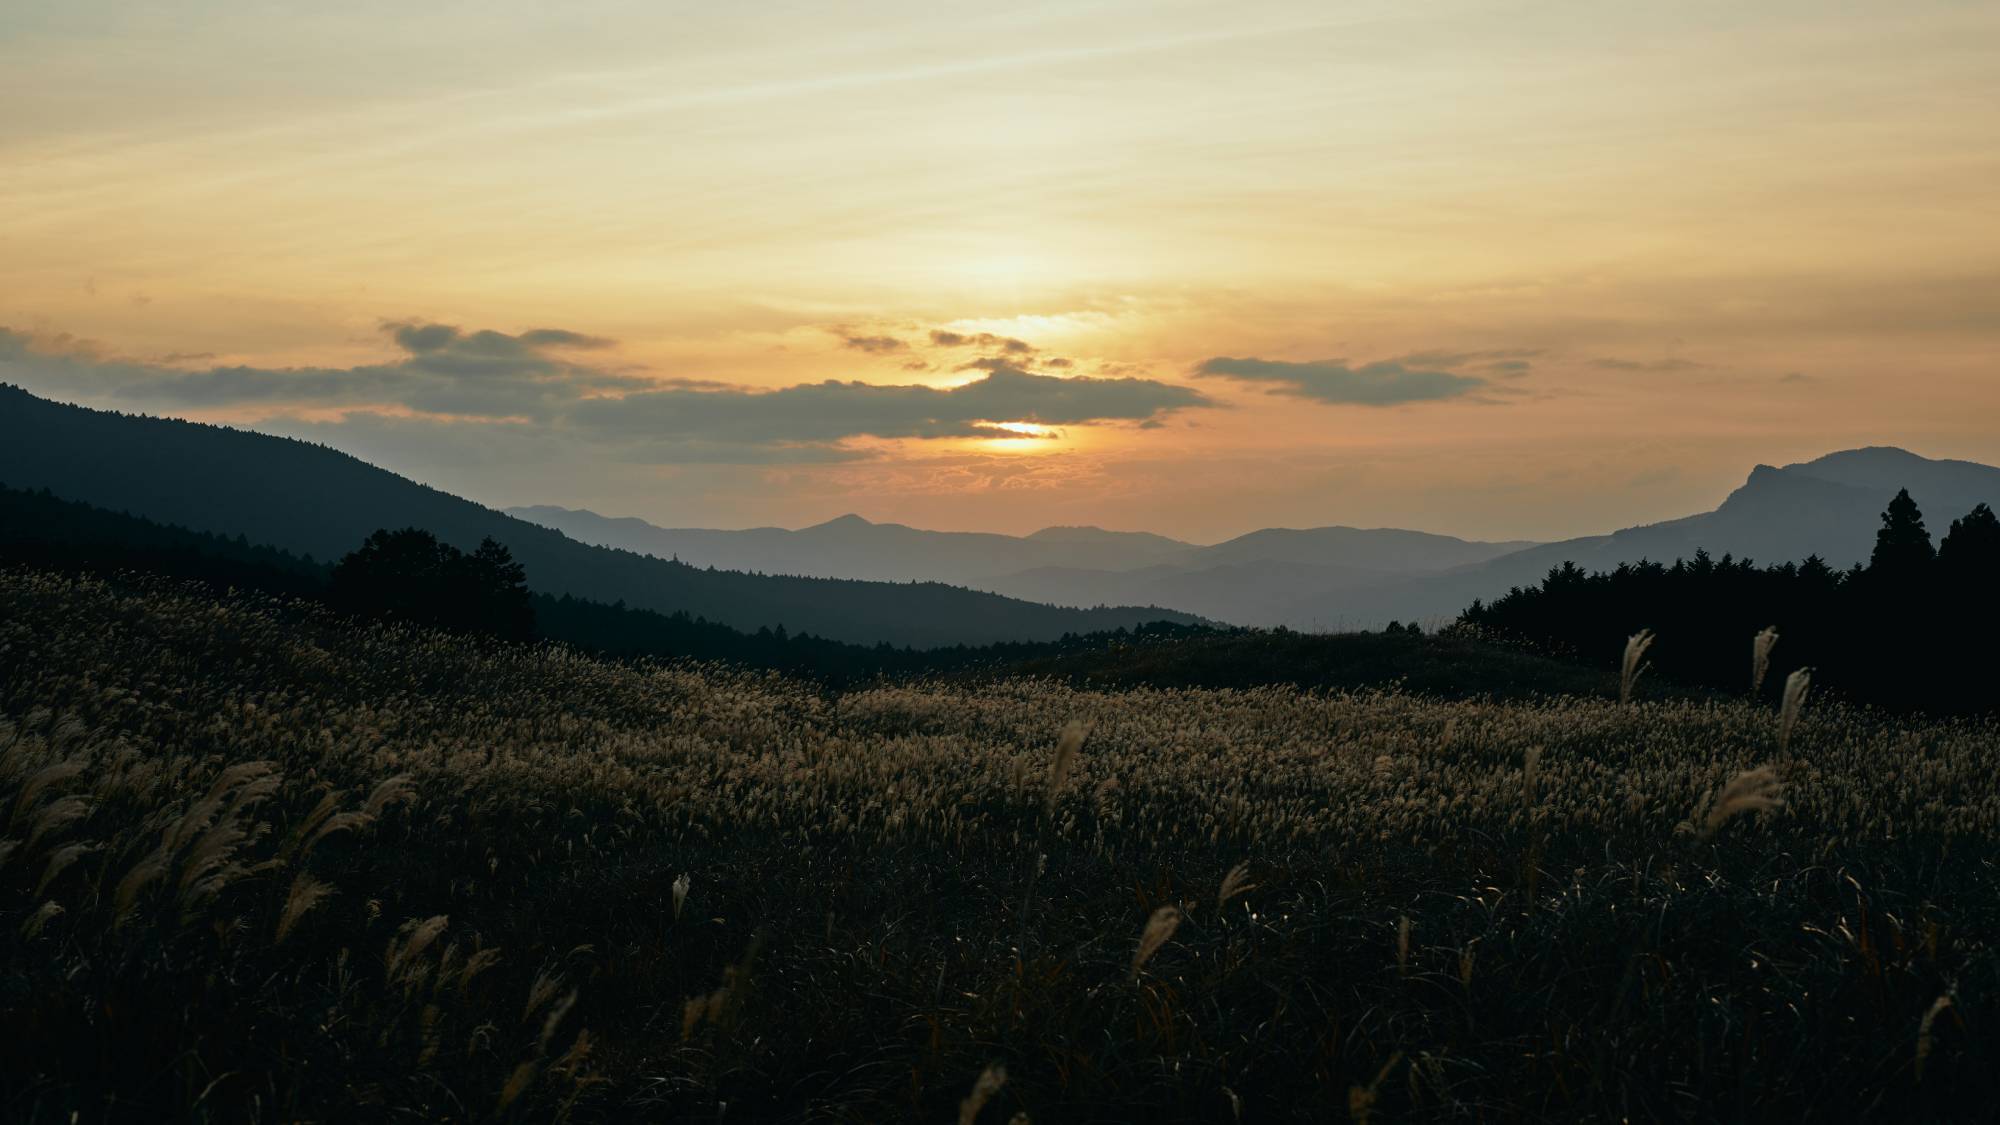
(267,865)
(315,501)
(1828,507)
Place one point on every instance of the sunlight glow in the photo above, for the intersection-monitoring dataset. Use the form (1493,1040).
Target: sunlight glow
(1034,438)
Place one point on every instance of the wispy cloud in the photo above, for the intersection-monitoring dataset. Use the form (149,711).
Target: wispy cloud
(1387,383)
(1008,344)
(874,345)
(1613,363)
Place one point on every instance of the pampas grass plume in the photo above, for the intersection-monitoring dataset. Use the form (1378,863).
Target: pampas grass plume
(1634,663)
(1159,930)
(1760,656)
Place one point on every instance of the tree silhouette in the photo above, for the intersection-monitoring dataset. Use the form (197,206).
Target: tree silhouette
(1898,632)
(1902,547)
(501,586)
(410,574)
(1970,551)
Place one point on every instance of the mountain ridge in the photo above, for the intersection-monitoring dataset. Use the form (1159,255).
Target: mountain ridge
(1339,576)
(317,501)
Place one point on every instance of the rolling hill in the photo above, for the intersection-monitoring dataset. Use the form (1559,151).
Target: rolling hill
(316,501)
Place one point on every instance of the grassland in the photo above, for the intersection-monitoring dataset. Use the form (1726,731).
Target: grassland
(263,863)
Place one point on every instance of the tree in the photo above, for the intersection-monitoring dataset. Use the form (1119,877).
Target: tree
(1902,547)
(502,588)
(1970,551)
(411,575)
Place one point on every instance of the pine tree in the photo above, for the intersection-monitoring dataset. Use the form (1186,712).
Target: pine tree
(505,605)
(1971,549)
(1903,546)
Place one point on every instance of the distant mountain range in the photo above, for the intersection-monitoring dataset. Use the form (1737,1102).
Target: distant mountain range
(1329,577)
(1830,507)
(316,501)
(1255,579)
(853,580)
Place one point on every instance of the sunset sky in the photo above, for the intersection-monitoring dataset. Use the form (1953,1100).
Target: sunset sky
(1494,269)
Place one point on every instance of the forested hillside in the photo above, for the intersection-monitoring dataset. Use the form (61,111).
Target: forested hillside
(314,501)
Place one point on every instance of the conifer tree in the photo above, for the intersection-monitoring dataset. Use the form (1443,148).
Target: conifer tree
(1971,549)
(1902,546)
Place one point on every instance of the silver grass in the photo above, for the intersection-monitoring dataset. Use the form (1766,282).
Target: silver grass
(1752,790)
(306,893)
(1796,686)
(1234,883)
(1159,930)
(1634,663)
(1067,748)
(1760,656)
(984,1087)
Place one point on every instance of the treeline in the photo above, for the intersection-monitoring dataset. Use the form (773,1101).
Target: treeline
(1906,630)
(409,574)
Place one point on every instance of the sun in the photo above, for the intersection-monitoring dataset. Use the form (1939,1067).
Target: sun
(1034,438)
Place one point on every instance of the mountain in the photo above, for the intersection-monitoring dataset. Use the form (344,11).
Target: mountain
(1828,507)
(1332,578)
(1381,549)
(852,547)
(1254,579)
(312,500)
(1264,592)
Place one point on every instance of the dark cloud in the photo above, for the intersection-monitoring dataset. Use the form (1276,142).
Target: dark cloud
(1006,344)
(1612,363)
(443,371)
(562,338)
(989,363)
(1386,383)
(488,446)
(833,411)
(508,387)
(874,345)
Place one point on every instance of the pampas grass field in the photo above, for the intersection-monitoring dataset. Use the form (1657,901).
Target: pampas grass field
(261,863)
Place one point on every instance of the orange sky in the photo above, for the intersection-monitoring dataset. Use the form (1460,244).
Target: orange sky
(1502,270)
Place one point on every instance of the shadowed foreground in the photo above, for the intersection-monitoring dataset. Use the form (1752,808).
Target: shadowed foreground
(261,863)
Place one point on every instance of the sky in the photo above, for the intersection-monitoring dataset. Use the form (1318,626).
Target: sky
(1493,269)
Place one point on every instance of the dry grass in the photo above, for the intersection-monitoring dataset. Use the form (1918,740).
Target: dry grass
(259,865)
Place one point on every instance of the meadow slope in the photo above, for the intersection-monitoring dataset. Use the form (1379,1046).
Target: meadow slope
(261,863)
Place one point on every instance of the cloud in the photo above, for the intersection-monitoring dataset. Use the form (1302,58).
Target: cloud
(873,345)
(1008,344)
(833,411)
(506,387)
(562,338)
(1387,383)
(1492,357)
(444,370)
(1612,363)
